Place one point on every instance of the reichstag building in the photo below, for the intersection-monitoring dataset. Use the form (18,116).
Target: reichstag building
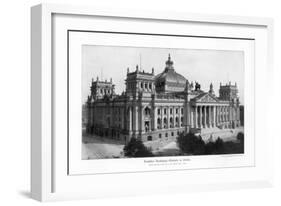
(159,107)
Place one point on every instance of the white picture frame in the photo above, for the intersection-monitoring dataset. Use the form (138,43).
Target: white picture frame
(50,177)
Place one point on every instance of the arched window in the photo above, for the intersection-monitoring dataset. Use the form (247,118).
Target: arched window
(171,122)
(146,126)
(142,85)
(165,122)
(158,123)
(147,111)
(181,121)
(177,121)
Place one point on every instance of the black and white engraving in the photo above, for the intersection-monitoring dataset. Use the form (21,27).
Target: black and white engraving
(147,102)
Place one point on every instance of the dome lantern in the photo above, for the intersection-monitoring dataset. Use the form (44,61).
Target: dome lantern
(169,64)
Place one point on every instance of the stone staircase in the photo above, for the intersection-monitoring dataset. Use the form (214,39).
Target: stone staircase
(158,144)
(208,134)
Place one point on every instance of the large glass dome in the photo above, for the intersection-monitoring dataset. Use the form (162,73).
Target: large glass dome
(169,80)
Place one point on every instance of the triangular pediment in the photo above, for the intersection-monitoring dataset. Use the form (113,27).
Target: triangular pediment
(206,97)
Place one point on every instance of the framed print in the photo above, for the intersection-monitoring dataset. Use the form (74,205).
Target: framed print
(130,99)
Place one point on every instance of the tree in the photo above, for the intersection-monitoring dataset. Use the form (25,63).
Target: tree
(136,148)
(219,146)
(210,148)
(191,144)
(240,137)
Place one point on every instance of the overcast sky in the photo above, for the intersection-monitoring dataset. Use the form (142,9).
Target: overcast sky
(204,66)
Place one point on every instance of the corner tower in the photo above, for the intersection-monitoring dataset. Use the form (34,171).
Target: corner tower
(139,82)
(228,92)
(99,89)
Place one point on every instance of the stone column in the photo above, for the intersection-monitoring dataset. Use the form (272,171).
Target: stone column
(210,116)
(222,113)
(168,117)
(140,124)
(155,118)
(233,114)
(191,117)
(228,113)
(130,119)
(200,116)
(219,114)
(238,114)
(225,113)
(196,118)
(161,118)
(205,116)
(226,119)
(179,115)
(214,116)
(174,122)
(135,119)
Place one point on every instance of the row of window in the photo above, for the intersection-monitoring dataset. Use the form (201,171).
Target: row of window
(171,111)
(165,125)
(149,138)
(143,85)
(146,85)
(105,91)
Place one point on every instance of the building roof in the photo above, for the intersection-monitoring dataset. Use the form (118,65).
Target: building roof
(205,97)
(169,75)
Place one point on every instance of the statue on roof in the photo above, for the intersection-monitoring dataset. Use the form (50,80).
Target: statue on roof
(191,85)
(197,86)
(211,91)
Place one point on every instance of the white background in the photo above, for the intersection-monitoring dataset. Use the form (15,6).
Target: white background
(15,102)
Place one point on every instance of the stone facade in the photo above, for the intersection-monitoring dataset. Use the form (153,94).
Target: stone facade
(159,107)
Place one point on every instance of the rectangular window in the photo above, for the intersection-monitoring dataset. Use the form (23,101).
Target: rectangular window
(158,111)
(171,111)
(177,111)
(165,111)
